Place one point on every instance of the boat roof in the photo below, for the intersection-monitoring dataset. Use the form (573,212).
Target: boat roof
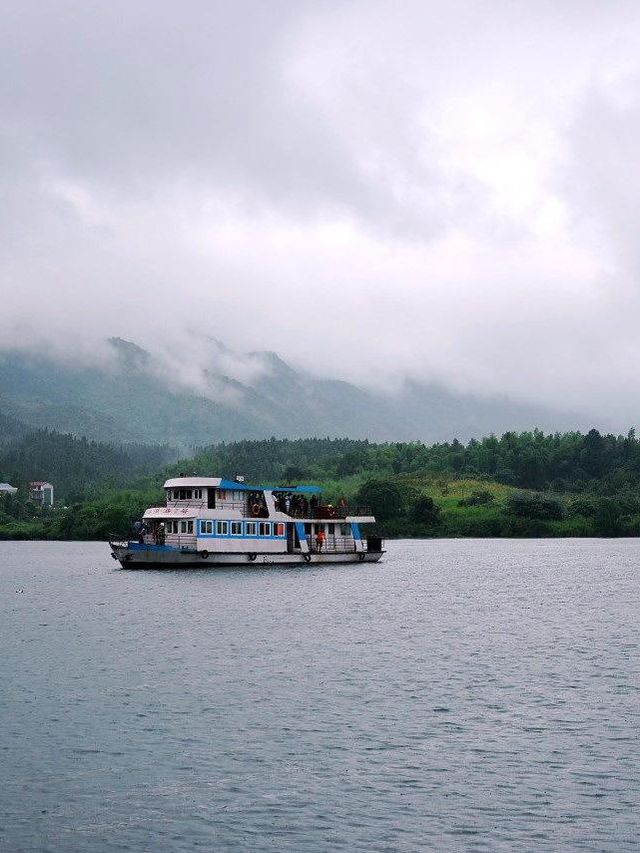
(193,482)
(221,483)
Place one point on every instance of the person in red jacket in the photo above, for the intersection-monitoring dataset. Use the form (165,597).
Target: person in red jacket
(320,537)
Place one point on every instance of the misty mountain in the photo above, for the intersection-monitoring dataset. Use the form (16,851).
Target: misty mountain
(11,429)
(134,398)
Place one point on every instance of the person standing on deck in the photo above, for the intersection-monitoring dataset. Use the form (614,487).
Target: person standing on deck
(320,537)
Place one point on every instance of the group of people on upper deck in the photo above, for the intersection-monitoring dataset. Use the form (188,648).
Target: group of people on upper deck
(296,505)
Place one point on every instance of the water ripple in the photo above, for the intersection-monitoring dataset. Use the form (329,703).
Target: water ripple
(463,695)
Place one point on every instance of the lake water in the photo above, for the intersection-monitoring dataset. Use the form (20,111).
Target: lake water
(459,695)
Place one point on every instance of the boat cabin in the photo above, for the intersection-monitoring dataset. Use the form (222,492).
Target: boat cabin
(212,514)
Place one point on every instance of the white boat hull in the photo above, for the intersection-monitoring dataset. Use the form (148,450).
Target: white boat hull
(134,556)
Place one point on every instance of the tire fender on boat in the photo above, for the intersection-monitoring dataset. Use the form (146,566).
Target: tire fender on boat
(255,510)
(307,558)
(361,556)
(252,557)
(204,554)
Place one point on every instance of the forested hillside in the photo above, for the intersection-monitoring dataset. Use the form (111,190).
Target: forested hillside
(560,462)
(77,467)
(10,429)
(521,484)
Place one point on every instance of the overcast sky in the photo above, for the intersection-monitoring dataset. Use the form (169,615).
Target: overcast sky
(444,191)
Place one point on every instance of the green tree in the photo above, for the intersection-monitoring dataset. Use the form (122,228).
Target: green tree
(608,518)
(534,505)
(425,510)
(384,497)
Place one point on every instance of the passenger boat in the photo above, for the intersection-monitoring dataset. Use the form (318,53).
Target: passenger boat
(210,521)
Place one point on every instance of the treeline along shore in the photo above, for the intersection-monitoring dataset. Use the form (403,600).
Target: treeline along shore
(517,485)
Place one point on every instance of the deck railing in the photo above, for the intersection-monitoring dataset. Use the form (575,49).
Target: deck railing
(328,512)
(332,545)
(322,512)
(178,540)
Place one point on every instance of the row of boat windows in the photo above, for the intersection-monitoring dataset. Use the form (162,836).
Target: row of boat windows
(242,528)
(185,494)
(197,495)
(228,528)
(179,526)
(249,528)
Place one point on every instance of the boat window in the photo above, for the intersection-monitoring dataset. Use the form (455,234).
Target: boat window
(189,526)
(222,494)
(265,528)
(222,528)
(250,528)
(331,529)
(345,530)
(183,527)
(278,529)
(236,528)
(206,527)
(307,527)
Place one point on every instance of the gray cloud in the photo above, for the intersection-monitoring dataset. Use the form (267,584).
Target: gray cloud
(435,192)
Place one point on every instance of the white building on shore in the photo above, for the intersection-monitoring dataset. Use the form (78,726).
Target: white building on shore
(7,489)
(41,492)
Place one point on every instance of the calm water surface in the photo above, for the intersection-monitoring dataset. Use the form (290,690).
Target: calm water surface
(460,695)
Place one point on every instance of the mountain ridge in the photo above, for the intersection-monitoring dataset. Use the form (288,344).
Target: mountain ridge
(135,399)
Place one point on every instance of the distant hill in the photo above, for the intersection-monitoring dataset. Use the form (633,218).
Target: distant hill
(76,465)
(134,400)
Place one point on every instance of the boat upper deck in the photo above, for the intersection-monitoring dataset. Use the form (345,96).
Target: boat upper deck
(215,496)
